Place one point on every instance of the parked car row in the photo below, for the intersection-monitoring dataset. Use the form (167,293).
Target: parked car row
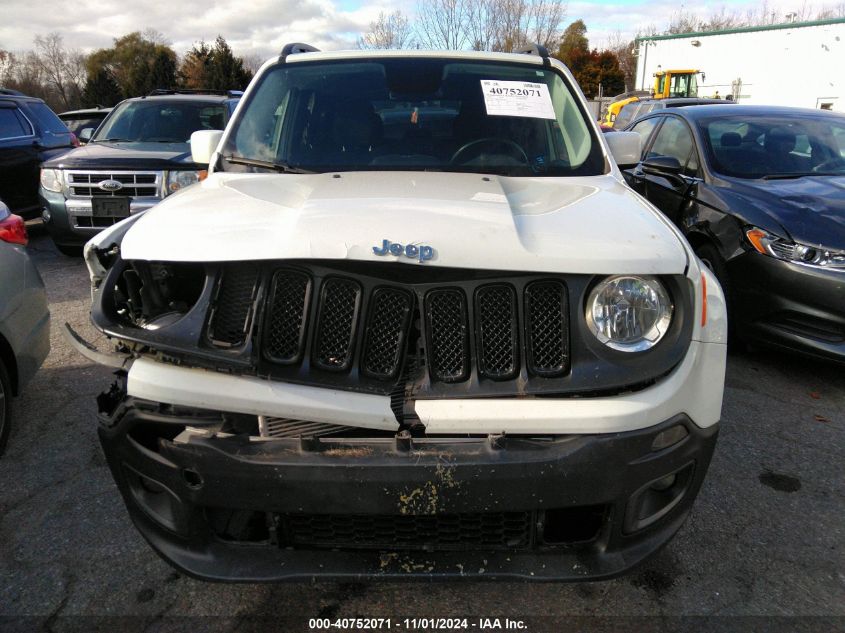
(136,157)
(30,133)
(24,317)
(759,192)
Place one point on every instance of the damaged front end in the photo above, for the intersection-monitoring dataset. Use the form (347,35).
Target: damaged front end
(283,419)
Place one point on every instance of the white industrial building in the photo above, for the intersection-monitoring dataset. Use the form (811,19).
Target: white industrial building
(797,64)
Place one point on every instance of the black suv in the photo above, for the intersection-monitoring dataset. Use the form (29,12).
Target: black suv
(139,154)
(30,133)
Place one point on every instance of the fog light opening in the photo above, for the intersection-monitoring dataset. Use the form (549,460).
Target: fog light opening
(192,478)
(657,498)
(669,437)
(664,484)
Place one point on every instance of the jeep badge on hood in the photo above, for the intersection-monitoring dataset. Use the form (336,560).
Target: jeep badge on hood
(424,253)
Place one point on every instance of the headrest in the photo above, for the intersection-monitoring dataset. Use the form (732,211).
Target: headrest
(780,139)
(731,139)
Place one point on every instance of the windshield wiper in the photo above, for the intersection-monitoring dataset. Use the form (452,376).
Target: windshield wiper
(801,175)
(282,168)
(112,140)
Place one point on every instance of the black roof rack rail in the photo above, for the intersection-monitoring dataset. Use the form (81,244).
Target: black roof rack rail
(534,49)
(11,93)
(296,47)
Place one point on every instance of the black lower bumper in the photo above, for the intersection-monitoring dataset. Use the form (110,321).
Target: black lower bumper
(786,305)
(545,508)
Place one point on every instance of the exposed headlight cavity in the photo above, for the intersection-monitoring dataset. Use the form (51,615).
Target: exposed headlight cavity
(51,180)
(629,313)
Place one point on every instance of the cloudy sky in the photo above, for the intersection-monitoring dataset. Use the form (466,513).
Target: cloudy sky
(262,27)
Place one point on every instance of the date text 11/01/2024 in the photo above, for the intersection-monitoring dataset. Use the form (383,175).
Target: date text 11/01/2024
(418,624)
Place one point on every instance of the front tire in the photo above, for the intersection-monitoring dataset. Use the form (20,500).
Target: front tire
(5,406)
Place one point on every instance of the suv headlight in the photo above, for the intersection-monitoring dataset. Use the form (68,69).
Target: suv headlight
(177,180)
(769,244)
(629,313)
(51,180)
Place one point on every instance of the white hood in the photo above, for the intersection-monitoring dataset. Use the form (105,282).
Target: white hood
(591,225)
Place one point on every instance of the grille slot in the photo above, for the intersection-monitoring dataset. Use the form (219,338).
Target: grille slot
(446,314)
(387,328)
(285,326)
(547,328)
(339,303)
(231,315)
(496,322)
(494,530)
(285,427)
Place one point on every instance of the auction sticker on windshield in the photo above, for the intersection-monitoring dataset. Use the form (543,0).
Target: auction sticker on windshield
(517,98)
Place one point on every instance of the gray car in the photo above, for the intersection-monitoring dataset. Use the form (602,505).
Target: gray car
(24,317)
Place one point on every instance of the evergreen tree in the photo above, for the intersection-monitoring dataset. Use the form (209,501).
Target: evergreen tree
(101,90)
(573,43)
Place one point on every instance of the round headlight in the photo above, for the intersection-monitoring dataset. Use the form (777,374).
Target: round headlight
(629,313)
(51,180)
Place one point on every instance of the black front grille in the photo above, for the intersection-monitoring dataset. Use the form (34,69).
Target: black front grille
(339,303)
(495,309)
(446,313)
(494,530)
(287,311)
(547,328)
(365,330)
(229,322)
(387,328)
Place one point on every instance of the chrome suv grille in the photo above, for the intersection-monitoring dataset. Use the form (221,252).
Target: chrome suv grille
(142,184)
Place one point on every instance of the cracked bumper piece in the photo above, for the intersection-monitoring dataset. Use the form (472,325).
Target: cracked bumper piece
(235,507)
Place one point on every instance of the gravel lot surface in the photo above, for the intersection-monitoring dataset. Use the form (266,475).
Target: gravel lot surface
(765,537)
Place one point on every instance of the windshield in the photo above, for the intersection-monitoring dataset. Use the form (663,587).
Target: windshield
(683,86)
(754,146)
(414,114)
(78,123)
(159,121)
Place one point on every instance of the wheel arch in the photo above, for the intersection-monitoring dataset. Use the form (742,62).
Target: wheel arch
(7,355)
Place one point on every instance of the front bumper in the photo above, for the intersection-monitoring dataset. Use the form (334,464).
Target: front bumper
(237,508)
(789,305)
(70,222)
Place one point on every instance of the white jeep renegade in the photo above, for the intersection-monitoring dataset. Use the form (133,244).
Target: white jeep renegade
(412,323)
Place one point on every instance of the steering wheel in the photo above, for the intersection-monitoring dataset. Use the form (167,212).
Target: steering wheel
(490,140)
(833,162)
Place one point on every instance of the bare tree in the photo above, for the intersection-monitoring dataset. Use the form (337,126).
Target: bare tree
(483,24)
(63,70)
(723,19)
(156,37)
(253,62)
(544,21)
(830,12)
(503,25)
(390,30)
(442,23)
(623,48)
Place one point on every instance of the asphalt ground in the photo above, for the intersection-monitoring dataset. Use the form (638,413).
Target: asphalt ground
(762,549)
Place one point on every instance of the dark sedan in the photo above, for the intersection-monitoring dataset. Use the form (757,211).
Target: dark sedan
(759,192)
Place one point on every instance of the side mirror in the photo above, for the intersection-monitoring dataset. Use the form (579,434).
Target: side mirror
(86,134)
(625,147)
(662,166)
(203,144)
